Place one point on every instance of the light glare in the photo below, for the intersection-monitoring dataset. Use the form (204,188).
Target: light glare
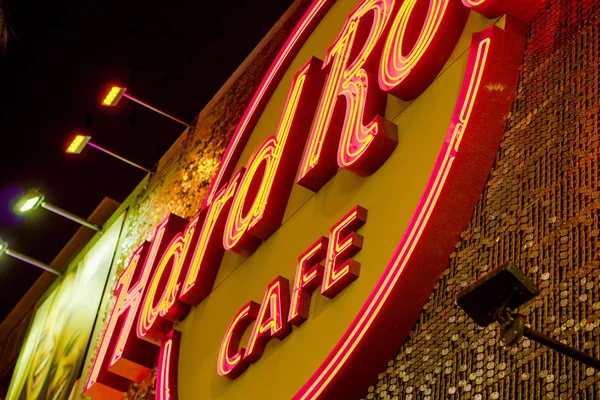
(30,203)
(32,200)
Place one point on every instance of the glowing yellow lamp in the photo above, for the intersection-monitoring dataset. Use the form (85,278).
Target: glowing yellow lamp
(78,144)
(80,141)
(32,200)
(35,199)
(114,95)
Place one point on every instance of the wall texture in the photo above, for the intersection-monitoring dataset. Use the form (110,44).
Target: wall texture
(540,208)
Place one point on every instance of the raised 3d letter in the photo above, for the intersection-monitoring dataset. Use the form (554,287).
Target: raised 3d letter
(206,257)
(344,242)
(309,274)
(231,363)
(272,319)
(122,357)
(349,118)
(160,308)
(261,199)
(421,39)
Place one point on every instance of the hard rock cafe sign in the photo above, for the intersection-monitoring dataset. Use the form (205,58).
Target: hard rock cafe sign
(333,118)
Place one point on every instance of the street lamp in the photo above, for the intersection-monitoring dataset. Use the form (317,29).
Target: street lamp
(116,93)
(34,199)
(80,141)
(19,256)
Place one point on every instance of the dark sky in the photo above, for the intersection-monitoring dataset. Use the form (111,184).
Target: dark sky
(172,54)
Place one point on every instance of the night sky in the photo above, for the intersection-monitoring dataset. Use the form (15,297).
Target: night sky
(174,55)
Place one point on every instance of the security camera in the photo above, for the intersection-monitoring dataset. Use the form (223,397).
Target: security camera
(495,298)
(505,288)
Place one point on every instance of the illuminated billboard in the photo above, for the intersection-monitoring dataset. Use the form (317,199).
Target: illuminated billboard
(52,355)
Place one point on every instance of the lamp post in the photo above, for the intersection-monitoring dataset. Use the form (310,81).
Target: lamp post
(34,199)
(19,256)
(116,93)
(80,141)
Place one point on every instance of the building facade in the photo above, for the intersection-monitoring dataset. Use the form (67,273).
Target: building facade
(366,163)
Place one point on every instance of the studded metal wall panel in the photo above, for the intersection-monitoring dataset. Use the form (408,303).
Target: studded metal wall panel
(540,208)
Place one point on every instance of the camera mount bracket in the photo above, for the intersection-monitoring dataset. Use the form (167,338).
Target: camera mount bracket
(513,328)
